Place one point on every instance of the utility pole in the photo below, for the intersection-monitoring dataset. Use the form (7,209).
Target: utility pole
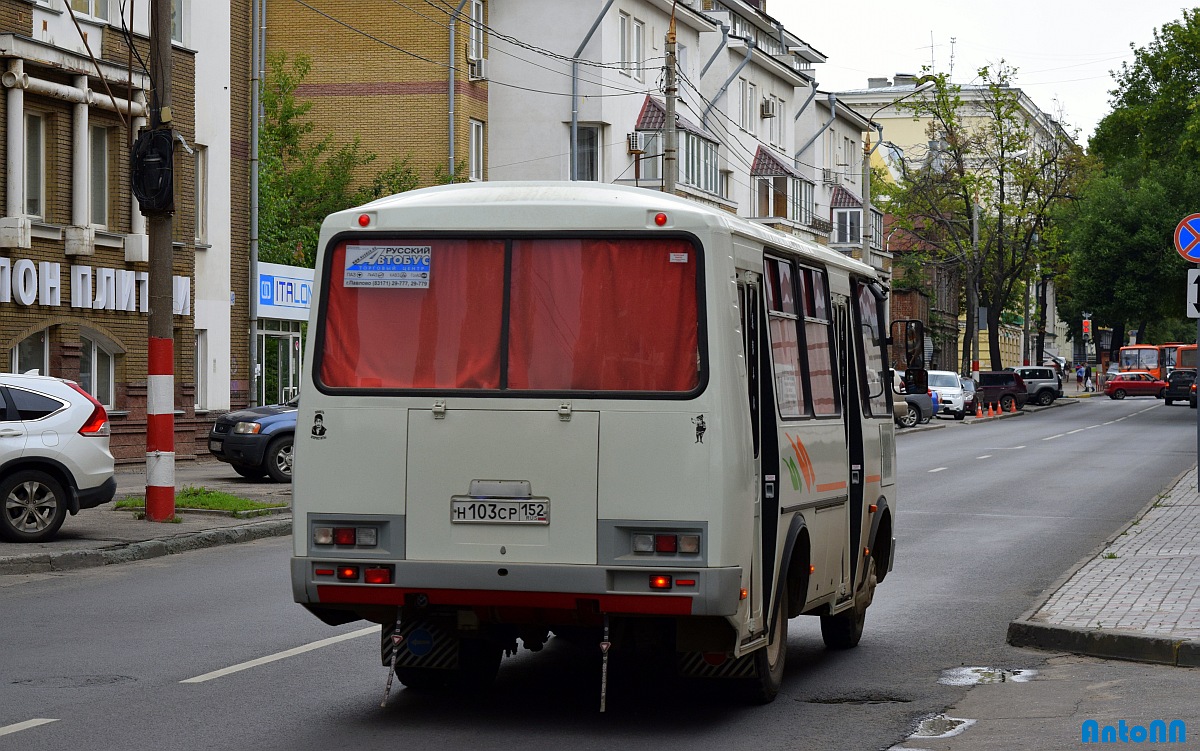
(670,134)
(160,373)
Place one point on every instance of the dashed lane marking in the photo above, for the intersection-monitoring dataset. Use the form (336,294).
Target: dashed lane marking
(18,727)
(939,469)
(985,456)
(1051,438)
(281,655)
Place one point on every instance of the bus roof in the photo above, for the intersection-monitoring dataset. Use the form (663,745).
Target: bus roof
(567,206)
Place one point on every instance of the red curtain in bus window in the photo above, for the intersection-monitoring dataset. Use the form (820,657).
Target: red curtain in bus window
(445,335)
(600,315)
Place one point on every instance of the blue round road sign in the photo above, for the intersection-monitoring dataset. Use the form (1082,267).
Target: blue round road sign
(1187,238)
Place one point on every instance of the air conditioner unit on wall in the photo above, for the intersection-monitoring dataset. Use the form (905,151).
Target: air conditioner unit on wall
(477,69)
(637,142)
(831,177)
(770,108)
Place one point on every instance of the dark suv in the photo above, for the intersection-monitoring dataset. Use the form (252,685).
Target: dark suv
(1001,387)
(1179,385)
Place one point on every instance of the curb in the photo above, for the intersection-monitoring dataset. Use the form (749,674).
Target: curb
(1027,631)
(39,563)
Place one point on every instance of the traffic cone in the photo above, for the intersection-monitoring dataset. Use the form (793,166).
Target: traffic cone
(978,410)
(990,412)
(1014,407)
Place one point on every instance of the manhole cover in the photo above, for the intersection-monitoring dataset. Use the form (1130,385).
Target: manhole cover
(941,726)
(74,681)
(978,676)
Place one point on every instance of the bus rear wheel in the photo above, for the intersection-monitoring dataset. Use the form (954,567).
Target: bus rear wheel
(845,629)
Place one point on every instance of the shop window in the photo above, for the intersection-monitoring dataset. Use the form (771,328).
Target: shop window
(99,175)
(96,370)
(32,354)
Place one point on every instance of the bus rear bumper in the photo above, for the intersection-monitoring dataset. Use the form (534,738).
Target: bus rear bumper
(316,583)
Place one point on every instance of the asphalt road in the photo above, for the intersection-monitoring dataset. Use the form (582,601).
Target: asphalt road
(990,514)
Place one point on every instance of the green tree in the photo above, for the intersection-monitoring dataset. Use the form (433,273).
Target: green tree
(979,196)
(303,175)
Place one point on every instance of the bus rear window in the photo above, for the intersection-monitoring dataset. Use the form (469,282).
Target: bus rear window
(583,315)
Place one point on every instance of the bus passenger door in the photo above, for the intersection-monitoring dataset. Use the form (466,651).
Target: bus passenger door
(749,293)
(852,413)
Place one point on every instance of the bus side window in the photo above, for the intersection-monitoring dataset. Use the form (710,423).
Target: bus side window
(748,306)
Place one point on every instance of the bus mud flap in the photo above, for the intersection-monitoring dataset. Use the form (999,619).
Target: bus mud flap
(715,665)
(424,644)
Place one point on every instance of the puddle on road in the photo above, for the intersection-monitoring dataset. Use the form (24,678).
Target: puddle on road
(941,726)
(979,676)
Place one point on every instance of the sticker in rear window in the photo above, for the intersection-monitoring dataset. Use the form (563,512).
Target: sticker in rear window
(679,258)
(387,266)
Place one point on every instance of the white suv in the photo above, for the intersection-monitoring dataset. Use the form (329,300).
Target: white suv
(951,399)
(54,455)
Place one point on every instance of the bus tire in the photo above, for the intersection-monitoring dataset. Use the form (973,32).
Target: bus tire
(769,661)
(845,629)
(478,663)
(424,679)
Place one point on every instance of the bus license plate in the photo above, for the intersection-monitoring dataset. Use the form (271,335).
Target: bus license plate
(475,511)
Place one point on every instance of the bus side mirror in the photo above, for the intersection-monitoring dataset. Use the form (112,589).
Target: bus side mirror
(908,342)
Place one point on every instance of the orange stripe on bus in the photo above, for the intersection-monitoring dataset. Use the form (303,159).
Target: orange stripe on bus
(874,478)
(831,486)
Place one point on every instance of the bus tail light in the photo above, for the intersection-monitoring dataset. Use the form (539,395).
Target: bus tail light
(347,573)
(380,575)
(666,543)
(660,581)
(367,537)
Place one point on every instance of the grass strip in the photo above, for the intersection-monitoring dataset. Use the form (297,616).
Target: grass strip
(203,498)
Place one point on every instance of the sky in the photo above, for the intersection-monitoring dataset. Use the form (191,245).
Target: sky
(1063,50)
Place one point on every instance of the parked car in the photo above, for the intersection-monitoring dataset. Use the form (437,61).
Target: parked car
(912,408)
(257,441)
(968,387)
(54,456)
(1042,384)
(1001,387)
(951,397)
(1135,383)
(1179,385)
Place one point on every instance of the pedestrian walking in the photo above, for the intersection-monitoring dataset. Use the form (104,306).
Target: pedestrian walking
(1087,379)
(1079,377)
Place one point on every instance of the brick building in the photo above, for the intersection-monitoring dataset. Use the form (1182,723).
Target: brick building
(73,245)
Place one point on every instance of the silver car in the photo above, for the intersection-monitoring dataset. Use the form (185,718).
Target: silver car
(951,400)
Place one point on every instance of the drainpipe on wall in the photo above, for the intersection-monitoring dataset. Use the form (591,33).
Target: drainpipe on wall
(725,86)
(575,90)
(811,95)
(258,24)
(815,136)
(717,51)
(453,76)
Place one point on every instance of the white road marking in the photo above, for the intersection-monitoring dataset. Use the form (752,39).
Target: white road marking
(1073,432)
(281,655)
(939,469)
(985,456)
(1051,438)
(18,727)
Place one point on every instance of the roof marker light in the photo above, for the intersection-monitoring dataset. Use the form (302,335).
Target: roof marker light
(364,220)
(660,219)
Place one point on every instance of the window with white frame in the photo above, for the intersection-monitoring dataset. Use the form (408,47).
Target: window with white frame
(96,370)
(95,8)
(32,353)
(876,230)
(847,226)
(850,155)
(35,165)
(624,35)
(98,174)
(639,49)
(749,97)
(699,165)
(475,167)
(477,50)
(805,200)
(775,124)
(177,17)
(650,161)
(201,157)
(589,153)
(201,369)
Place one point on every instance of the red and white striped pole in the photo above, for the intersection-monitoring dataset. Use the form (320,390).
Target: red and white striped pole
(160,431)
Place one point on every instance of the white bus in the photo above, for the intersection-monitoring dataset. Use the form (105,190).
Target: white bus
(592,411)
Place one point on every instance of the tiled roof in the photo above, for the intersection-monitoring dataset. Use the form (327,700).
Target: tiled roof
(654,116)
(767,163)
(844,199)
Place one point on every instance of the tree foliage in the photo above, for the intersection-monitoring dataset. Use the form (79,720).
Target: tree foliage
(303,175)
(985,188)
(1120,233)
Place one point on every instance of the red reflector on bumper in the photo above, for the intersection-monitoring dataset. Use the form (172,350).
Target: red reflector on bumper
(324,572)
(660,581)
(377,576)
(347,573)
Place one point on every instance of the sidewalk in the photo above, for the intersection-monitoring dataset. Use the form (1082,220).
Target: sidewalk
(104,535)
(1135,598)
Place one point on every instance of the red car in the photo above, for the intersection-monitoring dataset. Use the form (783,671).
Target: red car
(1134,383)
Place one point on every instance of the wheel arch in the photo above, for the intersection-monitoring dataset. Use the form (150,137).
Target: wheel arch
(880,539)
(797,555)
(52,467)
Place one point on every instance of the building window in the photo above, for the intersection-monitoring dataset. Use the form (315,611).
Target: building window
(35,165)
(32,354)
(749,96)
(177,21)
(698,163)
(624,34)
(96,370)
(201,194)
(805,201)
(775,124)
(589,153)
(639,49)
(847,226)
(477,50)
(96,8)
(476,151)
(98,176)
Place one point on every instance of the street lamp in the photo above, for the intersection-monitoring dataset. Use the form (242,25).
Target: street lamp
(868,226)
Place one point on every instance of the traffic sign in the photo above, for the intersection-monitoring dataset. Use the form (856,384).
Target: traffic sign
(1193,293)
(1187,238)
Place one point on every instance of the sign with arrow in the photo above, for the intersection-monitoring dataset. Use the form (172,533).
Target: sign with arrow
(1187,238)
(1193,293)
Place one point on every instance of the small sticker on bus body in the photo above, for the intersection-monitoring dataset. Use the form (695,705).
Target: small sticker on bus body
(679,258)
